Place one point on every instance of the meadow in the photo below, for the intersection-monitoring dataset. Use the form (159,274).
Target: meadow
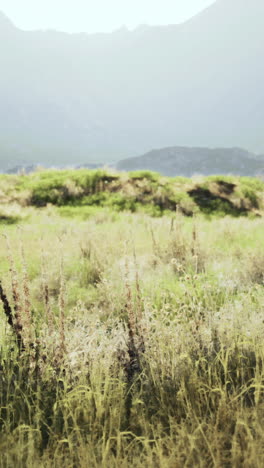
(131,321)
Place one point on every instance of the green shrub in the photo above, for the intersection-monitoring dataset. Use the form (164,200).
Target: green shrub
(148,175)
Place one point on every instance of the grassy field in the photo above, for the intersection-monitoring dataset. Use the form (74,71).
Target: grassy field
(131,332)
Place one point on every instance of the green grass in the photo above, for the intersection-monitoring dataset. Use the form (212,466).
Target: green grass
(162,364)
(136,191)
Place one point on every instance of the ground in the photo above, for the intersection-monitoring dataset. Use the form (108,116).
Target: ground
(137,340)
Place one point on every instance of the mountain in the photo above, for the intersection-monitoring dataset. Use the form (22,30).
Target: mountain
(80,98)
(183,161)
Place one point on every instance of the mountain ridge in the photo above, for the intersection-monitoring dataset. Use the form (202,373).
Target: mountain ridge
(77,98)
(190,161)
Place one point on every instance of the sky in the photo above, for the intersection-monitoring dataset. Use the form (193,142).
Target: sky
(98,15)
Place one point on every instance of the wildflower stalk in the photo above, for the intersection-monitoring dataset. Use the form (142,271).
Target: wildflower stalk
(18,323)
(26,292)
(46,294)
(10,319)
(62,308)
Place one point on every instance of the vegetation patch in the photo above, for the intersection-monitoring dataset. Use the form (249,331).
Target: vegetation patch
(131,340)
(135,191)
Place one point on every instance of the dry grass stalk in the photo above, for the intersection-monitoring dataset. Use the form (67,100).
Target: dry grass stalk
(10,319)
(156,249)
(62,307)
(45,293)
(18,322)
(26,292)
(139,307)
(131,313)
(172,224)
(194,250)
(136,341)
(133,364)
(194,239)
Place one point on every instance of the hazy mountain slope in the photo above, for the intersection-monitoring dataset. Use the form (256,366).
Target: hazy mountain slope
(77,98)
(183,161)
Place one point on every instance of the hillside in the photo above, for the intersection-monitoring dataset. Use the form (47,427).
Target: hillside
(183,161)
(81,192)
(79,98)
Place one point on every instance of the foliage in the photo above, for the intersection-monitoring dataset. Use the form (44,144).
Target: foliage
(143,340)
(136,191)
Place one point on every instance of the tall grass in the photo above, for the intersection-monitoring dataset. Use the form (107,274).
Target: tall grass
(142,342)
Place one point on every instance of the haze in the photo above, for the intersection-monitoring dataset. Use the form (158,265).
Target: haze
(99,98)
(98,15)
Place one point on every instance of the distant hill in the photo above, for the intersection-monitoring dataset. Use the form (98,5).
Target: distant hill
(27,168)
(80,98)
(182,161)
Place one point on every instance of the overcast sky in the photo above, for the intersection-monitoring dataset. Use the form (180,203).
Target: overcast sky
(98,15)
